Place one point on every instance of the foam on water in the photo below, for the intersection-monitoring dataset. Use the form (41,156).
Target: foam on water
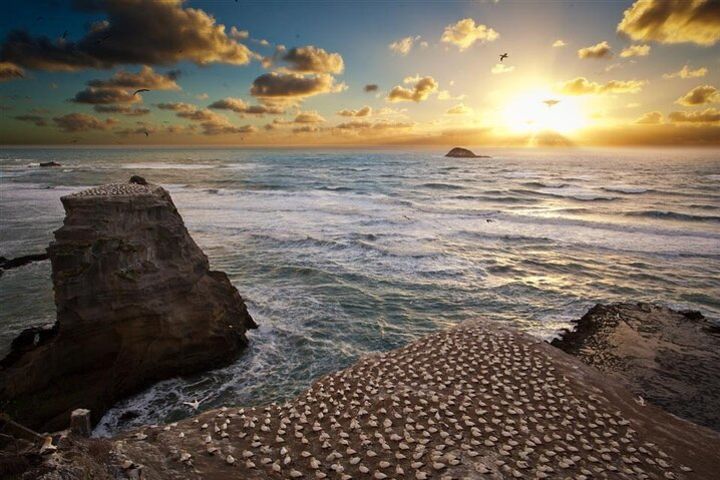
(344,253)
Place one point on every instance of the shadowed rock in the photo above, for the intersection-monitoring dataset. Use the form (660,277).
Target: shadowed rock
(459,152)
(136,303)
(670,358)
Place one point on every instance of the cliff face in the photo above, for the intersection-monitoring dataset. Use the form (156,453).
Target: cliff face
(136,303)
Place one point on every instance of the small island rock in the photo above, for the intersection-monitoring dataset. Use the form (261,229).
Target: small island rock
(459,152)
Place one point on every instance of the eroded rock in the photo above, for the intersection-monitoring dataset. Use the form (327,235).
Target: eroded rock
(136,303)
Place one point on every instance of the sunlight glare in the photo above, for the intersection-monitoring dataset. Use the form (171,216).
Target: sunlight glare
(526,112)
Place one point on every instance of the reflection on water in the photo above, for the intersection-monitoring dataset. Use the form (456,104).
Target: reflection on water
(341,253)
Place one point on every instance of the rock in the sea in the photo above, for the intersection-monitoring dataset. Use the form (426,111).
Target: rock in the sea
(50,164)
(669,358)
(138,179)
(459,152)
(136,303)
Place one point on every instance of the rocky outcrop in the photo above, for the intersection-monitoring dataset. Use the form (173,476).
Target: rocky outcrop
(459,152)
(669,358)
(472,402)
(7,264)
(136,303)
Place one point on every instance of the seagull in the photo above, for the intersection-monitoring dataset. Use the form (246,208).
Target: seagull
(140,90)
(503,56)
(147,134)
(551,103)
(195,403)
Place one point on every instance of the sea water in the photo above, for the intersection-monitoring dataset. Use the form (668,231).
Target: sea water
(341,253)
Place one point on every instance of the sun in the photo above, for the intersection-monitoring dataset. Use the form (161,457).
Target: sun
(540,110)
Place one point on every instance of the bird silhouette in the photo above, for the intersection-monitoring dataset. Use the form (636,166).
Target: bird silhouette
(551,103)
(140,90)
(503,56)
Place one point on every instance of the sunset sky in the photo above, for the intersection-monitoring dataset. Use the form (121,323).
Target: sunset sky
(360,73)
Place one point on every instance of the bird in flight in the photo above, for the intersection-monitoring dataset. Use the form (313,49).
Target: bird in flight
(503,56)
(194,404)
(140,90)
(551,103)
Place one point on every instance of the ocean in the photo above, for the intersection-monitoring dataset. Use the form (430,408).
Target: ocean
(341,253)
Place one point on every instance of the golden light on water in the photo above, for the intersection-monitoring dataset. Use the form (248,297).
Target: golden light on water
(541,110)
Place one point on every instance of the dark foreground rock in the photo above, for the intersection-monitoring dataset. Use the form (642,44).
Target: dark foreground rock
(136,303)
(50,164)
(669,358)
(7,264)
(459,152)
(473,402)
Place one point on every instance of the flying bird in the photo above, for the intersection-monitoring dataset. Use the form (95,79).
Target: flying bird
(140,90)
(503,56)
(551,103)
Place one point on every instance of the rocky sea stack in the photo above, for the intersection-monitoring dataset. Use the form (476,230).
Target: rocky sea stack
(459,152)
(136,303)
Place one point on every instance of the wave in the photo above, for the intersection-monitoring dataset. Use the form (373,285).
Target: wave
(626,189)
(669,215)
(578,194)
(336,189)
(442,186)
(538,184)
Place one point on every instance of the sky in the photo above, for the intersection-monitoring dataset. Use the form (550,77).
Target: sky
(292,73)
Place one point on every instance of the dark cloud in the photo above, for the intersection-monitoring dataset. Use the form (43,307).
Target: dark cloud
(673,21)
(122,110)
(700,96)
(421,90)
(293,87)
(371,87)
(35,119)
(10,71)
(366,125)
(135,32)
(311,59)
(306,129)
(211,122)
(145,78)
(237,105)
(709,116)
(105,96)
(80,122)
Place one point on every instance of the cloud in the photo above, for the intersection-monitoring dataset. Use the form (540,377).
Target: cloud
(177,106)
(145,78)
(500,68)
(370,87)
(80,122)
(685,73)
(650,118)
(366,125)
(559,43)
(636,51)
(700,96)
(459,109)
(707,116)
(202,96)
(404,45)
(309,117)
(421,90)
(365,111)
(122,110)
(135,32)
(673,21)
(237,105)
(306,129)
(582,86)
(37,120)
(239,34)
(290,87)
(446,95)
(211,122)
(465,33)
(10,71)
(94,96)
(313,60)
(599,50)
